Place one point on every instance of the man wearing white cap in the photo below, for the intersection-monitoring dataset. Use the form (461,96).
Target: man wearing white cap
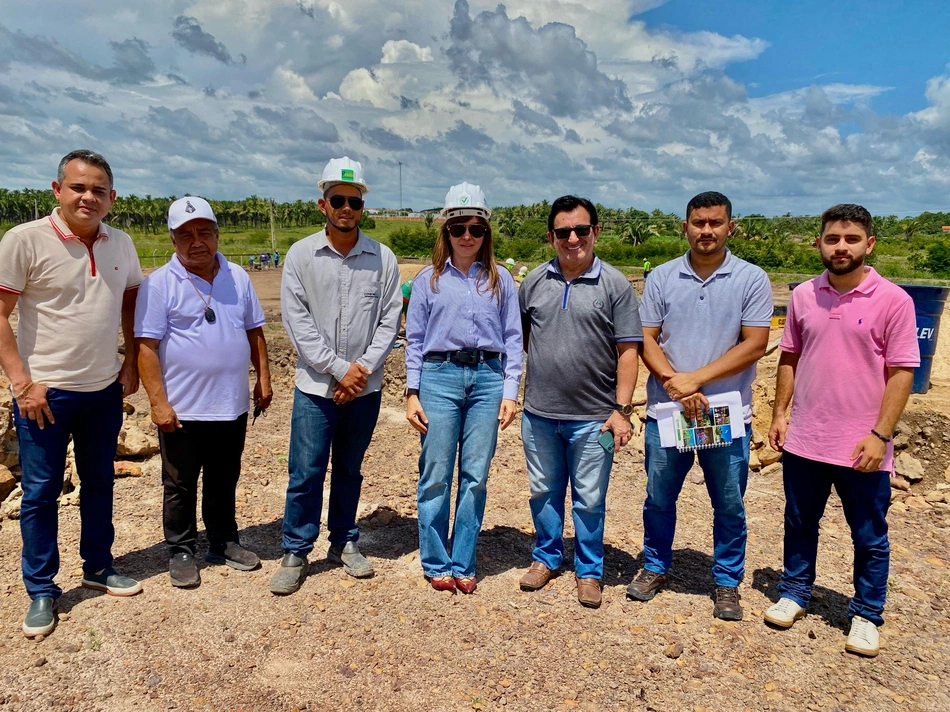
(198,324)
(341,307)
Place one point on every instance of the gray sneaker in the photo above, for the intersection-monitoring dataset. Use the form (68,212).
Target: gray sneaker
(112,582)
(40,617)
(235,556)
(290,576)
(350,558)
(182,571)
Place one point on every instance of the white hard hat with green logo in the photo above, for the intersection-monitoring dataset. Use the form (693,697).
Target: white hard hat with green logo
(465,200)
(343,171)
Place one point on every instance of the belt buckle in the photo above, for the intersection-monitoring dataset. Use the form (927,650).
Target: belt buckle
(467,357)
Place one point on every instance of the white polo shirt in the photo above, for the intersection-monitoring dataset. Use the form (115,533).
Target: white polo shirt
(70,300)
(204,366)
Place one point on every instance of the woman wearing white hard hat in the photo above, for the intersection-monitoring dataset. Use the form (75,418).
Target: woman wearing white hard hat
(463,370)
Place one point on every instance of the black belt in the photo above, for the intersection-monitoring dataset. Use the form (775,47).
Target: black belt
(468,357)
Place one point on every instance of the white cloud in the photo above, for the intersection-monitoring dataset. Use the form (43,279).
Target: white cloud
(293,84)
(396,51)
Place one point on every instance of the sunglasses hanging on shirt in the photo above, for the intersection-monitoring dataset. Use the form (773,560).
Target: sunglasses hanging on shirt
(337,201)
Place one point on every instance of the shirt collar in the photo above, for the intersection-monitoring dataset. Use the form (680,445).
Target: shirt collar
(62,229)
(475,264)
(868,285)
(728,264)
(593,272)
(178,269)
(364,243)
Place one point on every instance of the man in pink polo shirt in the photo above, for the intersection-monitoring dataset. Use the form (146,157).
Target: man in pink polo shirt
(848,354)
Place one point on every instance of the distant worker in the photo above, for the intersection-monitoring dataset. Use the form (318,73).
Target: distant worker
(509,264)
(340,302)
(706,318)
(406,290)
(198,325)
(463,371)
(848,356)
(276,259)
(647,268)
(251,262)
(265,260)
(74,281)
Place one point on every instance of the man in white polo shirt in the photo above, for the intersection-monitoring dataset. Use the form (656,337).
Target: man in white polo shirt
(74,279)
(198,324)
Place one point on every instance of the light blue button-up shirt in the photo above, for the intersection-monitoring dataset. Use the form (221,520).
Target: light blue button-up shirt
(463,314)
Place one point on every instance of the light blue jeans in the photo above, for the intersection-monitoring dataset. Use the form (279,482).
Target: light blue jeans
(727,471)
(558,452)
(461,404)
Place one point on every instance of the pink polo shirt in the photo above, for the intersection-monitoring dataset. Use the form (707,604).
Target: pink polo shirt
(847,342)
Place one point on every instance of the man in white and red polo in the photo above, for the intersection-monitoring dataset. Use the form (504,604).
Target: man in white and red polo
(75,279)
(848,354)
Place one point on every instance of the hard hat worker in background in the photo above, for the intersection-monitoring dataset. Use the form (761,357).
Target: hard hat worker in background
(463,370)
(341,308)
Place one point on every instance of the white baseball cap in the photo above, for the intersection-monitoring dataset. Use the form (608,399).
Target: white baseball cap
(465,200)
(343,171)
(189,208)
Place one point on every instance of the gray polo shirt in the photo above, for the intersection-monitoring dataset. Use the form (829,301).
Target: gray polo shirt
(572,330)
(339,310)
(701,320)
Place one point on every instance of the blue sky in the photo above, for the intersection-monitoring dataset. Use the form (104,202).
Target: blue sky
(785,107)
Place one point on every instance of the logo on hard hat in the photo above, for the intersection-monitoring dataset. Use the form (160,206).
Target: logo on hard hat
(346,174)
(465,199)
(189,208)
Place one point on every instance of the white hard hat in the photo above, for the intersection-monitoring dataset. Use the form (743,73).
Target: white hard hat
(510,261)
(465,200)
(343,171)
(189,208)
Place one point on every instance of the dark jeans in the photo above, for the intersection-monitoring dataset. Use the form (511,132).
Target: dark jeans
(93,420)
(216,447)
(865,498)
(319,426)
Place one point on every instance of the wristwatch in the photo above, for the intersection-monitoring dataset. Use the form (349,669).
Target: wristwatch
(625,410)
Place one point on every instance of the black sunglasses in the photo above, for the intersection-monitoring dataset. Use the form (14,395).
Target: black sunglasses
(336,202)
(563,233)
(477,231)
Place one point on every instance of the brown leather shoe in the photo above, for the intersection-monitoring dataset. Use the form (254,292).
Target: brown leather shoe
(536,577)
(646,585)
(588,592)
(727,604)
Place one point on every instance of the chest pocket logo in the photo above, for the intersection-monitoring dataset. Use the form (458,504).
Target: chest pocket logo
(369,295)
(599,303)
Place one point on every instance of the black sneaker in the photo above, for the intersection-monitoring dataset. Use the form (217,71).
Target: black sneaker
(183,571)
(646,585)
(235,556)
(727,604)
(40,617)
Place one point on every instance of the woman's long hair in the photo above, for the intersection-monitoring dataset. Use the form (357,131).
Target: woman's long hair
(486,255)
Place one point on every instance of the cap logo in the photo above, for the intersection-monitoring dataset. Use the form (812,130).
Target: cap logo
(189,208)
(346,174)
(465,199)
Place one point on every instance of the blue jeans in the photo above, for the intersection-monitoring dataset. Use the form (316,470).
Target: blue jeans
(558,451)
(461,404)
(726,470)
(93,420)
(865,498)
(317,427)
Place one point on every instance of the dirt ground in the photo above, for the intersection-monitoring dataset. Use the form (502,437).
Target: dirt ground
(393,643)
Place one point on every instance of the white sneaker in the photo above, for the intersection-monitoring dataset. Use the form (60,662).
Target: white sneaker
(863,638)
(784,613)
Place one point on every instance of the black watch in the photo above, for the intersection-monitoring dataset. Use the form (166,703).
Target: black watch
(625,410)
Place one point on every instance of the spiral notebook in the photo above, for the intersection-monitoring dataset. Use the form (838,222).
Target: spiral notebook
(717,427)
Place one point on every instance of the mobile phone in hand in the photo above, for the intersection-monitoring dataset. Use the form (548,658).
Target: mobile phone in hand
(606,440)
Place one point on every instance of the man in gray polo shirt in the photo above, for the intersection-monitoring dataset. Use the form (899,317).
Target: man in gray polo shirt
(706,318)
(581,330)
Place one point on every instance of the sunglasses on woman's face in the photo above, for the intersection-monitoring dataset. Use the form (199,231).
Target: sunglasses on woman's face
(337,201)
(563,233)
(477,231)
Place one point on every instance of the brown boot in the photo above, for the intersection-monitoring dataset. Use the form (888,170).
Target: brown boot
(536,577)
(588,592)
(646,585)
(727,604)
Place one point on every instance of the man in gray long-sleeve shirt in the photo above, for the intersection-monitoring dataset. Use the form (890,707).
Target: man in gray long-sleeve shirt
(341,306)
